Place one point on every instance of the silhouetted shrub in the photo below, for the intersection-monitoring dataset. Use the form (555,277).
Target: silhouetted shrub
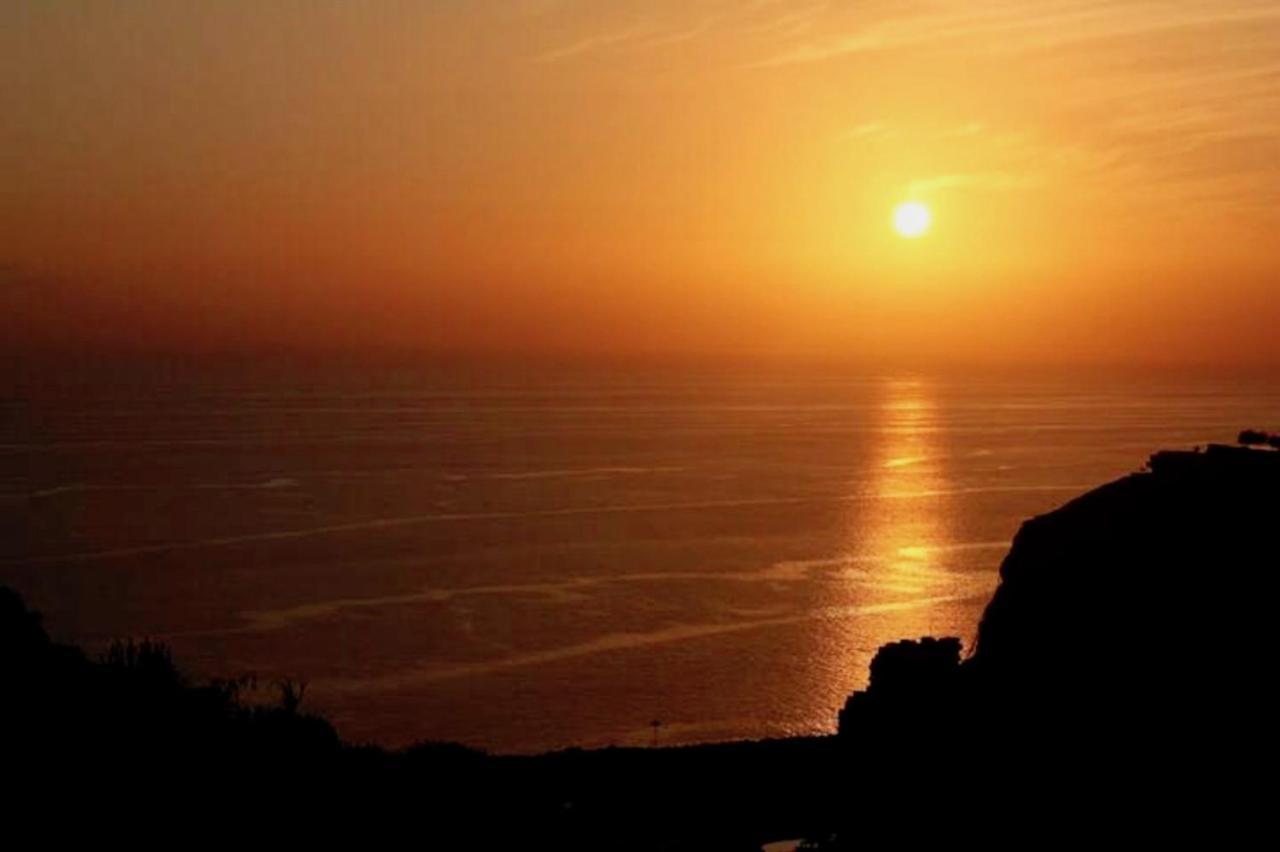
(148,663)
(908,678)
(1253,437)
(291,693)
(914,664)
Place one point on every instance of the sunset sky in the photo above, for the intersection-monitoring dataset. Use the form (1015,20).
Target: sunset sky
(636,179)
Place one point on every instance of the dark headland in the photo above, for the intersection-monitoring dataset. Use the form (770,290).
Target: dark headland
(1121,683)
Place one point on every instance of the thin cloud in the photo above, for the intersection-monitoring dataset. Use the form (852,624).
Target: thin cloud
(592,43)
(977,180)
(867,129)
(683,35)
(790,23)
(1013,28)
(972,128)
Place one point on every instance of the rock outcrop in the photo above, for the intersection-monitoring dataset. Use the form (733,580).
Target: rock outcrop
(1129,646)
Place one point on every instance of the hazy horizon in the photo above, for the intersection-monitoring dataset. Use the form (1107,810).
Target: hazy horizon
(705,181)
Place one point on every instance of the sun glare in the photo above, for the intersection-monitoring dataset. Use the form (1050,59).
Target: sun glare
(911,219)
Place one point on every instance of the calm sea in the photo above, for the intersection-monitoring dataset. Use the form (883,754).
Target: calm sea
(524,562)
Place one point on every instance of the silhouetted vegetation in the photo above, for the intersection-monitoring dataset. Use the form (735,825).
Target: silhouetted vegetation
(1257,438)
(908,679)
(129,721)
(134,707)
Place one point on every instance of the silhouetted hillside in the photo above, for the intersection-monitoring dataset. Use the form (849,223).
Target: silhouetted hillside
(127,733)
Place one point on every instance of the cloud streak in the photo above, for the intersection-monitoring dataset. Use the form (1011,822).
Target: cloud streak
(594,43)
(1013,27)
(999,181)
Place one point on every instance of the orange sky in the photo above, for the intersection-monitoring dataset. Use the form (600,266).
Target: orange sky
(644,178)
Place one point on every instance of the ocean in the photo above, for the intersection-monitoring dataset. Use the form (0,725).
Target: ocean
(527,560)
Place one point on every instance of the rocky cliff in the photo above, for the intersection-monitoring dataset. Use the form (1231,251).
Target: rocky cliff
(1130,642)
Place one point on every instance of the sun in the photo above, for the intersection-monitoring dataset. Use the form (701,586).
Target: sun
(911,219)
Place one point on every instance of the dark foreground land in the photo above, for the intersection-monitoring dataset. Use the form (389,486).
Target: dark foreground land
(1120,689)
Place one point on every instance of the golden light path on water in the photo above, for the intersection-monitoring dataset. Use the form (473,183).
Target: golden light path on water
(908,535)
(898,547)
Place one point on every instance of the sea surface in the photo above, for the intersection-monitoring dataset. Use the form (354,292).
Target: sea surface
(525,560)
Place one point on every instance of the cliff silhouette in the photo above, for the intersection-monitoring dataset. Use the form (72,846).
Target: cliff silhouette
(1120,682)
(1114,608)
(1124,661)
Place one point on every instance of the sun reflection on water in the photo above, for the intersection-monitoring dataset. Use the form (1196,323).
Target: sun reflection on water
(907,536)
(902,539)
